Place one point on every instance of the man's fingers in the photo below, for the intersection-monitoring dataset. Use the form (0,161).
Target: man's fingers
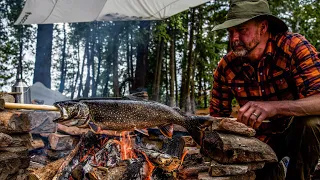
(259,121)
(242,110)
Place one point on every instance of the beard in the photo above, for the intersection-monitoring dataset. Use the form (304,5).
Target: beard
(240,49)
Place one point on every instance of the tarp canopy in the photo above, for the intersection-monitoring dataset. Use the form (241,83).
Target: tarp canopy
(67,11)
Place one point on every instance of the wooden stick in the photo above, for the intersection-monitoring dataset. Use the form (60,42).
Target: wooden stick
(219,118)
(30,106)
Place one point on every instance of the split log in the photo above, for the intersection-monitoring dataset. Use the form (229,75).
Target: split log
(68,159)
(152,144)
(7,97)
(5,140)
(174,147)
(72,130)
(230,149)
(55,155)
(232,126)
(37,143)
(161,160)
(47,172)
(192,172)
(21,140)
(248,176)
(62,142)
(14,122)
(217,169)
(188,141)
(42,121)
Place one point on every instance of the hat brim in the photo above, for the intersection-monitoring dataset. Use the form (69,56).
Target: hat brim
(275,24)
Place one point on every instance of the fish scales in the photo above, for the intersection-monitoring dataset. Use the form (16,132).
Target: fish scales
(128,115)
(125,115)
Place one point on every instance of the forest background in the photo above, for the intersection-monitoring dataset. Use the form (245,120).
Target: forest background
(173,60)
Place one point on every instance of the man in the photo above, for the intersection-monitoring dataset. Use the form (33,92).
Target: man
(274,75)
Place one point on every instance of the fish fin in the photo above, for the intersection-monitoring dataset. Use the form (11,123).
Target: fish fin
(142,131)
(96,129)
(166,130)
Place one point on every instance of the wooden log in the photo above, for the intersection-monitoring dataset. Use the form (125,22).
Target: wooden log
(7,97)
(21,140)
(37,143)
(189,142)
(5,140)
(193,171)
(47,172)
(230,149)
(248,176)
(62,142)
(68,159)
(14,122)
(230,125)
(42,121)
(72,130)
(217,169)
(161,160)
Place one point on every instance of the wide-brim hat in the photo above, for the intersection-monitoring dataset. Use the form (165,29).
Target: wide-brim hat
(241,11)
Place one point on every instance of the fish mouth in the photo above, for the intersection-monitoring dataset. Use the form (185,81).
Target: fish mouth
(63,113)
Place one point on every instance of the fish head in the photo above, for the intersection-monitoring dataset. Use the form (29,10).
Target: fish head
(68,109)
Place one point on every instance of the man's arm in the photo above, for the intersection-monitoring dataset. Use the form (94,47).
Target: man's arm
(305,68)
(266,109)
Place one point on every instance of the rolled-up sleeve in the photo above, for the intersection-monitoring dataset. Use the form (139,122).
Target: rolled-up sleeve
(306,66)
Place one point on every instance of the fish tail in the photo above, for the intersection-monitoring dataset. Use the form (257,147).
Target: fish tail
(196,126)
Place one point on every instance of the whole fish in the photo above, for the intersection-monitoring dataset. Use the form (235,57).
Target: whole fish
(127,115)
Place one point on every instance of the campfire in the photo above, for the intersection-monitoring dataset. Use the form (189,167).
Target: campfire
(33,146)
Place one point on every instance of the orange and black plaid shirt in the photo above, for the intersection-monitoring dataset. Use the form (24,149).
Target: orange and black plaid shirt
(288,70)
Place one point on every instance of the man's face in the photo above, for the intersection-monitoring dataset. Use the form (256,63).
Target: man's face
(244,38)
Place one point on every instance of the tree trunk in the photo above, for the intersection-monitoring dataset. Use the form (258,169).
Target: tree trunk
(89,64)
(115,49)
(97,81)
(42,69)
(142,57)
(190,64)
(158,71)
(83,64)
(184,77)
(78,72)
(63,68)
(172,71)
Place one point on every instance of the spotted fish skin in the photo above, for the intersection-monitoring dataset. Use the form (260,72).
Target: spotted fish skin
(126,115)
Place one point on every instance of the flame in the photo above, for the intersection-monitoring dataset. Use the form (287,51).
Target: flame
(126,146)
(150,167)
(184,155)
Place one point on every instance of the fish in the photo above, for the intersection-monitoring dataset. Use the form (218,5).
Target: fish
(128,115)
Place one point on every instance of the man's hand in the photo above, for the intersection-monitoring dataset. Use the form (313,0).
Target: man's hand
(254,112)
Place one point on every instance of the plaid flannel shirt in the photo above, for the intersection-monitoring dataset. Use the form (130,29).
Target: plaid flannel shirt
(288,70)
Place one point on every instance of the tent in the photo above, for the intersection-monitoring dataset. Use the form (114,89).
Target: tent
(63,11)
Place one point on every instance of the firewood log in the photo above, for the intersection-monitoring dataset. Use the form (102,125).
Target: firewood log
(47,172)
(230,148)
(14,122)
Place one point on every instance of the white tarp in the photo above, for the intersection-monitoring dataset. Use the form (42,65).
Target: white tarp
(63,11)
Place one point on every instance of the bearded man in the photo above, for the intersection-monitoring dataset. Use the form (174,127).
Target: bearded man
(274,75)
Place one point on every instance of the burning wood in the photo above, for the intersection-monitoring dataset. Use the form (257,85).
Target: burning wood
(47,172)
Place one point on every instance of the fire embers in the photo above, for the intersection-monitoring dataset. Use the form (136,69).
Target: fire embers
(110,157)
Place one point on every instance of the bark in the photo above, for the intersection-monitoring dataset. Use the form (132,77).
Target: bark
(42,69)
(190,64)
(14,122)
(231,149)
(47,172)
(82,68)
(172,72)
(183,94)
(78,72)
(142,57)
(63,65)
(116,43)
(89,65)
(158,71)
